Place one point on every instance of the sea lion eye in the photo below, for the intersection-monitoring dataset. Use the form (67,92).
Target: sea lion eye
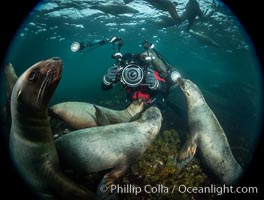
(32,76)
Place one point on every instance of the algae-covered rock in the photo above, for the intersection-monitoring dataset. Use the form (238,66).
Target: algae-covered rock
(155,169)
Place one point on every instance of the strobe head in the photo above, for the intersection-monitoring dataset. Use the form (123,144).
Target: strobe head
(77,46)
(132,75)
(175,76)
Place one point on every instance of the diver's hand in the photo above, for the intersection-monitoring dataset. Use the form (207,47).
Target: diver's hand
(151,81)
(111,75)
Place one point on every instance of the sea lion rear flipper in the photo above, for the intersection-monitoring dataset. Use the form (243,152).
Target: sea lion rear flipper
(186,153)
(101,119)
(105,189)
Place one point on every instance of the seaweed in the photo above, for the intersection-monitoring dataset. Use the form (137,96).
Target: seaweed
(156,169)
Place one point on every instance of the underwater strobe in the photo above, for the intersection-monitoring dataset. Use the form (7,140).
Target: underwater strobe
(132,75)
(81,46)
(77,46)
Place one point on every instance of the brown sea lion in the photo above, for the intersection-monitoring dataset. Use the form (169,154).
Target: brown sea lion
(83,115)
(208,136)
(31,144)
(192,10)
(114,9)
(113,147)
(164,5)
(204,39)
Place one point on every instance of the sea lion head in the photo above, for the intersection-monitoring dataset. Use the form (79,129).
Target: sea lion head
(191,91)
(152,119)
(152,115)
(36,85)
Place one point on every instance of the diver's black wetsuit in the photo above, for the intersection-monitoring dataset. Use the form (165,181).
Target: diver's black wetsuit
(156,97)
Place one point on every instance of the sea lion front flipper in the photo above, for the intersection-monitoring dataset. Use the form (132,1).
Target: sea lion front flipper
(105,189)
(5,113)
(11,78)
(101,118)
(186,153)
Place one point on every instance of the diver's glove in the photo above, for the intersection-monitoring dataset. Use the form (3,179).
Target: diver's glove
(151,81)
(111,75)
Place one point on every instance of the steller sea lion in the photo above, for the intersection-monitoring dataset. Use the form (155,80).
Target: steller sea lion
(208,135)
(164,5)
(204,39)
(114,9)
(192,10)
(80,115)
(113,147)
(32,148)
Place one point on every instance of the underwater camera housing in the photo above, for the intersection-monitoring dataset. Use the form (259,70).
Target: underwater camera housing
(132,75)
(131,72)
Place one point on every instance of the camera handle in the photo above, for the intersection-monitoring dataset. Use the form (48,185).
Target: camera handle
(117,55)
(117,40)
(81,46)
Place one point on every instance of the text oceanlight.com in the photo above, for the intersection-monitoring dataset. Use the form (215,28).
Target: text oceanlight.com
(216,189)
(162,189)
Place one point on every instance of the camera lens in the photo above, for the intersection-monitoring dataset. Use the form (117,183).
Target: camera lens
(132,75)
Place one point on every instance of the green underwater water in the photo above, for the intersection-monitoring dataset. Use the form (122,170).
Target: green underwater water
(228,76)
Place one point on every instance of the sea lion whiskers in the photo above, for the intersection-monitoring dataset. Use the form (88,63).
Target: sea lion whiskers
(49,76)
(42,88)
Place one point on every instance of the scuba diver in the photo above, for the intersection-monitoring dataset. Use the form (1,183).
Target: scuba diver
(146,76)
